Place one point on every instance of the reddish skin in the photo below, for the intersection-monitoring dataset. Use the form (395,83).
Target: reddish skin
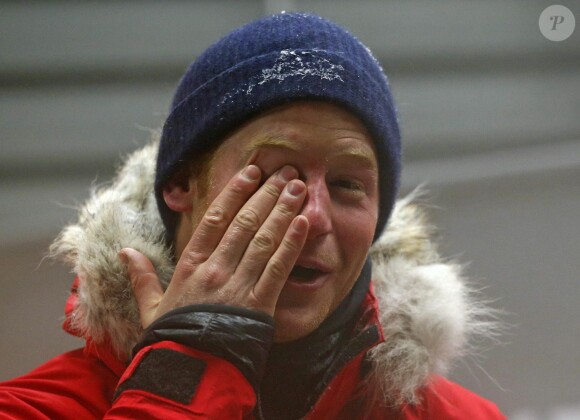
(328,226)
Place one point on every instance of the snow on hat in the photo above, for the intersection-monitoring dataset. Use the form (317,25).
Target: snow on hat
(269,62)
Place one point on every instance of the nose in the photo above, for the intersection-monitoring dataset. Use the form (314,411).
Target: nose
(317,208)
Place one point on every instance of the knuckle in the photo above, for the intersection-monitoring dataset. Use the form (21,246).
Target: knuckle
(186,265)
(278,268)
(193,259)
(271,189)
(215,216)
(248,219)
(211,275)
(285,210)
(291,245)
(238,187)
(140,279)
(264,241)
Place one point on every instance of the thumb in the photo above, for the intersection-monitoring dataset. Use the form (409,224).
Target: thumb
(145,282)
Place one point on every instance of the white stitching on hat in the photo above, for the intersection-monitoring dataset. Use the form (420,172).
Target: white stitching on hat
(288,64)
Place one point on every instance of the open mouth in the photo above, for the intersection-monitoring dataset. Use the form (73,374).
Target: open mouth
(304,274)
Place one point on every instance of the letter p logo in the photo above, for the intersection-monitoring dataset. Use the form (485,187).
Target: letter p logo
(557,23)
(557,20)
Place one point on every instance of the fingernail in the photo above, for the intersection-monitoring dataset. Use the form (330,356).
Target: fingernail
(295,188)
(288,173)
(300,224)
(251,172)
(123,257)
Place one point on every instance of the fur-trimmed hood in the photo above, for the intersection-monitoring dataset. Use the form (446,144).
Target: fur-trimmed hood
(427,311)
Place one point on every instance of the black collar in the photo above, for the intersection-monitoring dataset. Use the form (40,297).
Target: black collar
(297,372)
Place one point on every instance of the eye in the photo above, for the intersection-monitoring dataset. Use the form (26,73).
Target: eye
(349,185)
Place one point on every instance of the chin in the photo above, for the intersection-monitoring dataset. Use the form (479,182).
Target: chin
(293,324)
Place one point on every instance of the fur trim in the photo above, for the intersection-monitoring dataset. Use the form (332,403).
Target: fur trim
(426,309)
(121,215)
(428,312)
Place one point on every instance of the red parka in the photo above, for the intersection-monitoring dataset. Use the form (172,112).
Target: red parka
(93,383)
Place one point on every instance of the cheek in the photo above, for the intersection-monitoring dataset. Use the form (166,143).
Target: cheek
(355,234)
(218,177)
(356,226)
(213,184)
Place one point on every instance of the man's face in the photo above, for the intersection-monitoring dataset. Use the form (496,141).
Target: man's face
(335,157)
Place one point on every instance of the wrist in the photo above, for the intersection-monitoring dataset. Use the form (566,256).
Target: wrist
(239,335)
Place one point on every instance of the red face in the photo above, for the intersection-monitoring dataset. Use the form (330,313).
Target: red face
(335,157)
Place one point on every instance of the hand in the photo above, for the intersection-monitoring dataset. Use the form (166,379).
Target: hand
(240,254)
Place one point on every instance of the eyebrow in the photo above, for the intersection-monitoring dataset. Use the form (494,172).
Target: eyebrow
(363,154)
(267,141)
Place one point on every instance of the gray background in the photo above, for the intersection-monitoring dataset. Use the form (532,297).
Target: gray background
(491,122)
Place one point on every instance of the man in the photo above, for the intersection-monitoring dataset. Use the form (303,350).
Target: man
(233,279)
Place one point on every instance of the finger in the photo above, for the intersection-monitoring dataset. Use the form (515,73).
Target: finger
(250,218)
(268,288)
(268,238)
(220,213)
(145,282)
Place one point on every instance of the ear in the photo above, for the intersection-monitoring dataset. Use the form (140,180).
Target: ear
(179,192)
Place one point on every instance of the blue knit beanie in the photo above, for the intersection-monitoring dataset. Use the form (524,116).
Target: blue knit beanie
(269,62)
